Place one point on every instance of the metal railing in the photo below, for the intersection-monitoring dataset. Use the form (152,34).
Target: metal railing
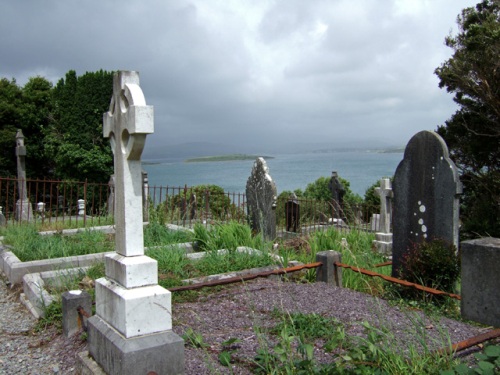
(74,203)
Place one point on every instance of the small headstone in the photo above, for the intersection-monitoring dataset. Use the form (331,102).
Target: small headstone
(338,191)
(40,207)
(383,237)
(426,196)
(81,207)
(261,197)
(292,214)
(24,211)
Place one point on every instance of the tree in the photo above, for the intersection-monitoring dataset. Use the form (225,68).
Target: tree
(74,138)
(472,133)
(35,119)
(10,120)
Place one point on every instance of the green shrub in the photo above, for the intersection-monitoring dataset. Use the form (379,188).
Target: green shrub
(433,264)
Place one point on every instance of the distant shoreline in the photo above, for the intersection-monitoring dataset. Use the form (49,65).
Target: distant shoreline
(231,157)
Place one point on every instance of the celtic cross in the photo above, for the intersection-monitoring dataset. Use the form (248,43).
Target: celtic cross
(126,124)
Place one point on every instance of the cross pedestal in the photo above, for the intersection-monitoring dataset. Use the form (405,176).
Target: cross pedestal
(383,239)
(131,332)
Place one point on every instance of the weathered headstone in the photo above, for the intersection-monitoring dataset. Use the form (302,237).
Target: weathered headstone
(426,196)
(24,211)
(338,192)
(131,332)
(383,238)
(292,214)
(111,196)
(261,197)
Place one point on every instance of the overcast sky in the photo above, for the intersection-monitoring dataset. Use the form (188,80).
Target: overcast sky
(253,73)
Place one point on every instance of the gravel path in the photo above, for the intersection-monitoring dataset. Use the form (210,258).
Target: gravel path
(238,311)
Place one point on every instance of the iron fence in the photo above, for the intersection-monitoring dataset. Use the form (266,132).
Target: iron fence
(75,203)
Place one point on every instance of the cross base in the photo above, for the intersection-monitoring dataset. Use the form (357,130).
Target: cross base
(383,243)
(24,211)
(161,353)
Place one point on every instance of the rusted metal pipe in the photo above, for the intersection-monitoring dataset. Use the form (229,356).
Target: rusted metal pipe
(462,345)
(237,279)
(389,263)
(398,281)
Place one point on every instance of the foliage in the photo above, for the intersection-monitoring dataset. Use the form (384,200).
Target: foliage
(29,245)
(27,108)
(433,263)
(227,236)
(472,133)
(74,138)
(488,363)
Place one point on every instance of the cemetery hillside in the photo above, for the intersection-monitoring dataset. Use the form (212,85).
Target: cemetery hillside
(104,272)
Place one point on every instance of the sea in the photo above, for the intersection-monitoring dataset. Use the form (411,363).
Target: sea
(289,171)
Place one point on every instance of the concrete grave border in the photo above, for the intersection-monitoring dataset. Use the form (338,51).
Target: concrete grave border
(36,296)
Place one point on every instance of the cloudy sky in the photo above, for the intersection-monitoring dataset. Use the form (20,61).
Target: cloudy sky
(257,74)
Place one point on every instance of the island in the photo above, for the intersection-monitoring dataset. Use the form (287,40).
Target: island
(231,157)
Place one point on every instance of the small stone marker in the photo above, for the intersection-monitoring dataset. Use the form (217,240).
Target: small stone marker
(426,196)
(292,214)
(72,320)
(480,290)
(131,332)
(383,238)
(261,197)
(24,211)
(338,192)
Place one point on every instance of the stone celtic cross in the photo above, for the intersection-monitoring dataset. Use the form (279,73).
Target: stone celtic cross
(386,194)
(127,123)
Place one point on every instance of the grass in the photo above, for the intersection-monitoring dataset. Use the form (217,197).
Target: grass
(295,335)
(29,245)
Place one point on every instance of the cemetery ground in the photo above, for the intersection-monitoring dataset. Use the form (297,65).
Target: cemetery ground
(278,325)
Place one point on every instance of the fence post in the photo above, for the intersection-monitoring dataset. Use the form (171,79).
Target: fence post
(328,272)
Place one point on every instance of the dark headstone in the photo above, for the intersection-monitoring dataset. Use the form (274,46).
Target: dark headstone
(261,200)
(292,214)
(24,211)
(338,192)
(426,196)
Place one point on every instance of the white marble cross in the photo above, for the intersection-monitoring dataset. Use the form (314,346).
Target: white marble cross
(386,194)
(127,123)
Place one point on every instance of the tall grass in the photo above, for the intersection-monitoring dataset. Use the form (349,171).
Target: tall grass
(28,245)
(356,249)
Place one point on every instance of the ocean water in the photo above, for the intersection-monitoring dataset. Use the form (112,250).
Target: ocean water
(289,171)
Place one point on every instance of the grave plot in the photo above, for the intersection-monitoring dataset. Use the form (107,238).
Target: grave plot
(26,251)
(219,256)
